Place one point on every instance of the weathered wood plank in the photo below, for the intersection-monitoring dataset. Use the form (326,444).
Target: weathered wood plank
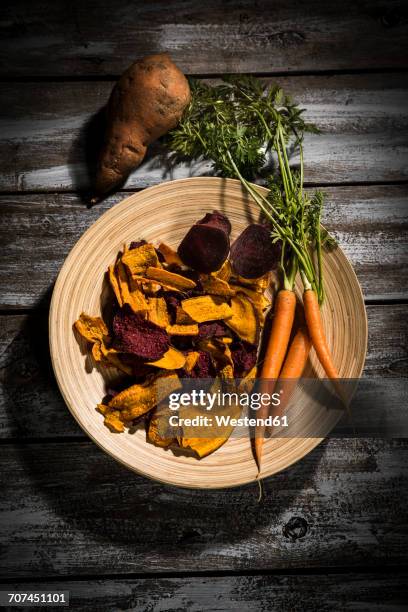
(31,406)
(300,593)
(37,232)
(70,509)
(50,133)
(99,38)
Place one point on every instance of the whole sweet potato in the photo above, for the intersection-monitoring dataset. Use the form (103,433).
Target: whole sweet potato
(146,102)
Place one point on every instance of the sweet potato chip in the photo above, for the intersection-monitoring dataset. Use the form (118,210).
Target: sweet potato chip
(114,284)
(158,311)
(224,273)
(206,308)
(243,321)
(191,360)
(257,284)
(140,398)
(159,422)
(259,300)
(182,330)
(129,290)
(139,259)
(182,318)
(216,286)
(170,280)
(217,435)
(112,418)
(92,329)
(171,257)
(113,357)
(171,360)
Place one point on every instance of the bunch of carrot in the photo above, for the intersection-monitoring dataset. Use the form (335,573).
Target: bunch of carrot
(295,220)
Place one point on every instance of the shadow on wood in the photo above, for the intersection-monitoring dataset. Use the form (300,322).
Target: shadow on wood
(90,492)
(86,149)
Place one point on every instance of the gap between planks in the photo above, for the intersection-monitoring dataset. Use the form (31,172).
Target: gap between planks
(298,571)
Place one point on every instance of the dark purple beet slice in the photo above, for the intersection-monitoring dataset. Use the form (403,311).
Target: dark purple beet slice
(218,220)
(243,357)
(135,335)
(206,245)
(204,368)
(137,244)
(213,329)
(204,248)
(253,253)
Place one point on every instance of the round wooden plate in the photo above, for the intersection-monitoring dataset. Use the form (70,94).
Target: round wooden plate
(165,213)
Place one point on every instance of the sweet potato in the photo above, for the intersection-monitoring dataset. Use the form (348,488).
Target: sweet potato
(146,102)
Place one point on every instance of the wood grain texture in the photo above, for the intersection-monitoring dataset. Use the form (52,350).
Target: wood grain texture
(31,406)
(50,133)
(93,38)
(37,232)
(70,509)
(300,593)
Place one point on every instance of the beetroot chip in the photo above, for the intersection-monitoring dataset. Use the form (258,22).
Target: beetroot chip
(137,244)
(204,368)
(218,220)
(213,329)
(253,253)
(206,245)
(243,357)
(137,336)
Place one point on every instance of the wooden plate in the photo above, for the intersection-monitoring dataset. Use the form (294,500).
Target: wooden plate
(165,213)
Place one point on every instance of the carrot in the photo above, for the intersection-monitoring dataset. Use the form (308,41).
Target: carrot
(297,355)
(293,367)
(318,338)
(284,315)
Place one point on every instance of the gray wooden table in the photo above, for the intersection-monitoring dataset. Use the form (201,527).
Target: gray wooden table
(331,532)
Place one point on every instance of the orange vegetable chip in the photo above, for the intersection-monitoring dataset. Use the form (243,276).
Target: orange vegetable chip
(115,284)
(158,311)
(171,280)
(112,418)
(129,290)
(182,330)
(216,286)
(191,360)
(140,398)
(92,329)
(259,300)
(224,273)
(257,284)
(159,421)
(244,321)
(206,308)
(217,435)
(182,318)
(171,256)
(138,260)
(171,360)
